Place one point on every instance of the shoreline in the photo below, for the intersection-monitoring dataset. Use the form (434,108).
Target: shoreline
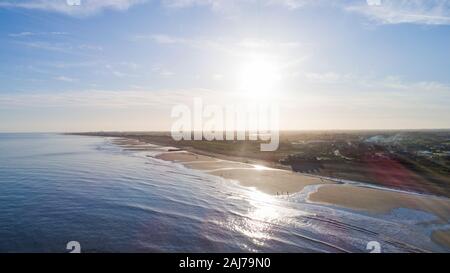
(330,191)
(379,173)
(265,179)
(133,144)
(195,159)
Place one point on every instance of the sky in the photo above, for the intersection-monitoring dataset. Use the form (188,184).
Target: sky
(124,64)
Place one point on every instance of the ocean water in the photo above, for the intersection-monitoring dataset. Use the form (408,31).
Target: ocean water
(58,188)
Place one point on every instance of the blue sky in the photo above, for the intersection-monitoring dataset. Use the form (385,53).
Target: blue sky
(122,64)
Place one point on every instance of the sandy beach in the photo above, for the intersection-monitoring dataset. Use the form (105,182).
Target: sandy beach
(377,201)
(441,237)
(283,182)
(267,180)
(380,201)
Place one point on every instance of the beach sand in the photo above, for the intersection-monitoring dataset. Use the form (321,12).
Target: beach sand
(276,181)
(380,201)
(184,157)
(441,237)
(267,180)
(282,182)
(219,165)
(270,181)
(127,141)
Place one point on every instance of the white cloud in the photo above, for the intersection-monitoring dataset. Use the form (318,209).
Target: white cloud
(361,83)
(231,46)
(61,47)
(397,83)
(190,3)
(325,77)
(291,4)
(28,34)
(165,73)
(221,5)
(265,44)
(58,47)
(65,79)
(119,73)
(163,39)
(87,7)
(105,98)
(428,12)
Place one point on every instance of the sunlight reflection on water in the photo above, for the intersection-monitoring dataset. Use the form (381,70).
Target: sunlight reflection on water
(64,188)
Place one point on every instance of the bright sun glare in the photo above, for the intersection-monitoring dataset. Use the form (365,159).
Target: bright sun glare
(259,76)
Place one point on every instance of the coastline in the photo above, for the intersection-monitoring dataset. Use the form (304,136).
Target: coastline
(383,172)
(268,180)
(273,181)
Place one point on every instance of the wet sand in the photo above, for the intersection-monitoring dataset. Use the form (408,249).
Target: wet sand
(276,181)
(282,182)
(377,201)
(441,237)
(270,181)
(380,201)
(184,157)
(267,180)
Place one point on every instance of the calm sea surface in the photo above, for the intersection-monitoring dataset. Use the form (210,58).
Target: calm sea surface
(56,188)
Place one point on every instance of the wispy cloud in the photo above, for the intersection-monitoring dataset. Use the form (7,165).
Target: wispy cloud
(60,47)
(427,12)
(387,84)
(118,70)
(28,34)
(328,77)
(230,4)
(87,7)
(65,79)
(105,98)
(292,4)
(222,44)
(165,73)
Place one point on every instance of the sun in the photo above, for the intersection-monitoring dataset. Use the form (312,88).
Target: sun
(259,76)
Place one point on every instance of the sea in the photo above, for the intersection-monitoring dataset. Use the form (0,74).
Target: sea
(59,189)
